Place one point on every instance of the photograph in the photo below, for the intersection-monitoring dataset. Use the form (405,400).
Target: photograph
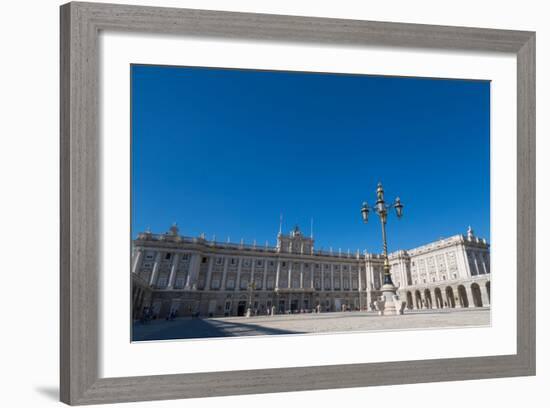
(300,203)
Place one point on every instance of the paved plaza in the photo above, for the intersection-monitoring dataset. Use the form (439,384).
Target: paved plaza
(193,328)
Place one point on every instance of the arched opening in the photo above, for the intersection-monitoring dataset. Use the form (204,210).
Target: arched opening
(488,289)
(450,297)
(409,300)
(428,298)
(418,299)
(438,298)
(476,295)
(462,296)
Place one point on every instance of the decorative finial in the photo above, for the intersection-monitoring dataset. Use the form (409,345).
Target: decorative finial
(380,192)
(174,230)
(311,228)
(281,224)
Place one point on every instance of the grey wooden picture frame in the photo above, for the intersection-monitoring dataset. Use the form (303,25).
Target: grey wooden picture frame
(81,24)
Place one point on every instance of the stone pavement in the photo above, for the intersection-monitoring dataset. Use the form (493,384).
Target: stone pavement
(194,328)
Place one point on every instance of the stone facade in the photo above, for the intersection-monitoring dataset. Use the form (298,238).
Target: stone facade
(196,276)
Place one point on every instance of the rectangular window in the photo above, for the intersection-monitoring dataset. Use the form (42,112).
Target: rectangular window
(179,283)
(168,255)
(204,259)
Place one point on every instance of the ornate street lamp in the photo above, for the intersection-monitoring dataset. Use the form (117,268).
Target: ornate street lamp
(381,209)
(251,289)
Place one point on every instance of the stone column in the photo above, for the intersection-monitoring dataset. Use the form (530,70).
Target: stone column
(341,277)
(474,254)
(470,296)
(156,266)
(483,265)
(252,267)
(224,273)
(447,270)
(264,278)
(463,272)
(192,276)
(289,274)
(349,280)
(322,268)
(332,277)
(209,273)
(277,276)
(371,274)
(137,260)
(173,271)
(312,276)
(485,295)
(403,266)
(301,275)
(239,268)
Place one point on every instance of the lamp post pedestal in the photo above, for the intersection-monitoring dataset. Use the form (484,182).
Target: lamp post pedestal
(388,293)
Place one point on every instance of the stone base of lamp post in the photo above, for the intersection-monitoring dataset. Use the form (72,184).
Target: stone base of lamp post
(249,312)
(392,305)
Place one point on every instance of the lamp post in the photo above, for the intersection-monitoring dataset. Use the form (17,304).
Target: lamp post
(251,289)
(381,209)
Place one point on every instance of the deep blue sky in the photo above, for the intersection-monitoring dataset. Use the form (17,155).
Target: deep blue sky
(225,152)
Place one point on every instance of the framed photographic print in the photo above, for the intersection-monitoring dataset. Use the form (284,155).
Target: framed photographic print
(233,183)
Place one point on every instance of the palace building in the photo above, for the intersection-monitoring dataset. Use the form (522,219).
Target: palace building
(189,276)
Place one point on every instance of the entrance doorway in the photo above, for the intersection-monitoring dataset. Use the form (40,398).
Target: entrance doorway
(476,295)
(462,296)
(212,307)
(293,305)
(281,306)
(241,308)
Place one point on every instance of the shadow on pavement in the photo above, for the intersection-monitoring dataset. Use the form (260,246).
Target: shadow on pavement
(198,329)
